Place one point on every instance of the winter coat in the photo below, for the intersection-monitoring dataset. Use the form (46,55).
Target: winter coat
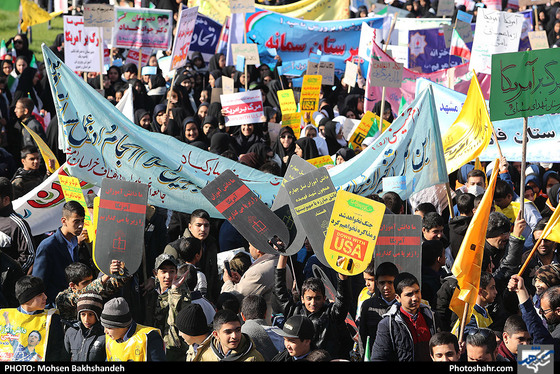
(83,344)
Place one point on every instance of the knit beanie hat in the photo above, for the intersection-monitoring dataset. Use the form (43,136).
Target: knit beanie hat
(116,313)
(91,302)
(27,287)
(192,320)
(549,274)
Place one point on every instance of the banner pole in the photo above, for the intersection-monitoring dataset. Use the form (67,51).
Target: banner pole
(463,323)
(523,167)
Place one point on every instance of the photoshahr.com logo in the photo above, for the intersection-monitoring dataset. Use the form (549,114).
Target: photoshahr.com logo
(535,359)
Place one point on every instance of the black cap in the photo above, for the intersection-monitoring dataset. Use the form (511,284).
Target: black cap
(298,326)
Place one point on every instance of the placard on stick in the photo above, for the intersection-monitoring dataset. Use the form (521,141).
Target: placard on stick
(121,221)
(385,73)
(400,242)
(247,213)
(312,198)
(282,208)
(352,232)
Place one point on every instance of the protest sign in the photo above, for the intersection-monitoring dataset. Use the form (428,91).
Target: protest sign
(249,51)
(538,39)
(326,70)
(205,37)
(24,337)
(242,107)
(350,74)
(242,6)
(227,85)
(143,28)
(352,232)
(282,208)
(82,45)
(310,91)
(293,120)
(445,8)
(385,73)
(72,190)
(515,93)
(247,213)
(495,32)
(99,15)
(399,242)
(138,57)
(361,131)
(312,197)
(287,101)
(121,220)
(183,36)
(395,184)
(321,161)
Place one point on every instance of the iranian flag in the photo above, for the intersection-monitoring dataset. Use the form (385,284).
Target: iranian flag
(459,47)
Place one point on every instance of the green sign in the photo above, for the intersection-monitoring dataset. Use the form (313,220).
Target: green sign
(523,84)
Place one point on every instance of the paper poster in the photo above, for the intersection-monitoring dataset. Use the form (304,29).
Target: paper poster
(143,28)
(385,73)
(310,91)
(287,101)
(242,6)
(321,161)
(82,45)
(538,39)
(24,337)
(326,70)
(249,51)
(293,120)
(352,233)
(183,36)
(524,84)
(350,74)
(242,107)
(99,15)
(399,242)
(496,32)
(72,190)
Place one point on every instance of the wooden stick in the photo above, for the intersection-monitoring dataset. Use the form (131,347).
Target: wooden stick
(382,109)
(463,323)
(449,199)
(523,167)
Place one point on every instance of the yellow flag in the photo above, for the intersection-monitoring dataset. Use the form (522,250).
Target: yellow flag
(468,263)
(471,132)
(552,229)
(48,156)
(32,14)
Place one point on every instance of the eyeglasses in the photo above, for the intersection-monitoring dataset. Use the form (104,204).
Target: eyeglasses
(286,137)
(543,312)
(18,41)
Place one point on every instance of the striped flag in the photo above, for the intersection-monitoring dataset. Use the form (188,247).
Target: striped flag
(459,47)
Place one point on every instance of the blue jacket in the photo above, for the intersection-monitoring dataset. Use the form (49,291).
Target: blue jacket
(538,331)
(51,259)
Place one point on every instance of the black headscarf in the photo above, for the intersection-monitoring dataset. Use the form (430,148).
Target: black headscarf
(330,137)
(308,147)
(279,149)
(219,142)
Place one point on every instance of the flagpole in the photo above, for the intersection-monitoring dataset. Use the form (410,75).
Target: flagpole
(463,322)
(382,109)
(523,167)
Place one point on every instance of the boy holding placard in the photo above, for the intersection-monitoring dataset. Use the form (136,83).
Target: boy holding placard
(328,317)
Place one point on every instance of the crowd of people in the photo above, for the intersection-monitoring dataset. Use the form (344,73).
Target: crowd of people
(261,307)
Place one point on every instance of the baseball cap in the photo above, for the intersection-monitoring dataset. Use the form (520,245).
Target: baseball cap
(165,257)
(298,326)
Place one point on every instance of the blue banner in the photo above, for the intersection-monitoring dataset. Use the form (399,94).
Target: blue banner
(410,147)
(206,36)
(542,139)
(294,39)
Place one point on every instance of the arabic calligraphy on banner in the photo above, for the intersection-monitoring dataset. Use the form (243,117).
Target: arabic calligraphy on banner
(525,84)
(142,28)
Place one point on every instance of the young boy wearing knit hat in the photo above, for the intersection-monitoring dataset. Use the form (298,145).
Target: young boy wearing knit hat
(193,329)
(43,342)
(127,340)
(85,340)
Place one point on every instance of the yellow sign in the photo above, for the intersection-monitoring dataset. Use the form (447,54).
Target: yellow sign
(73,191)
(287,101)
(368,120)
(292,120)
(321,161)
(24,337)
(352,232)
(310,92)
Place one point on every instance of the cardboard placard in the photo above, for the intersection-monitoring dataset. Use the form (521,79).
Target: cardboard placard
(242,6)
(400,242)
(99,15)
(121,220)
(227,85)
(326,70)
(250,51)
(310,91)
(247,213)
(352,232)
(350,74)
(538,39)
(312,198)
(282,208)
(385,73)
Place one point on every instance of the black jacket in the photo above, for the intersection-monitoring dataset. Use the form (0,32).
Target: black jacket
(82,344)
